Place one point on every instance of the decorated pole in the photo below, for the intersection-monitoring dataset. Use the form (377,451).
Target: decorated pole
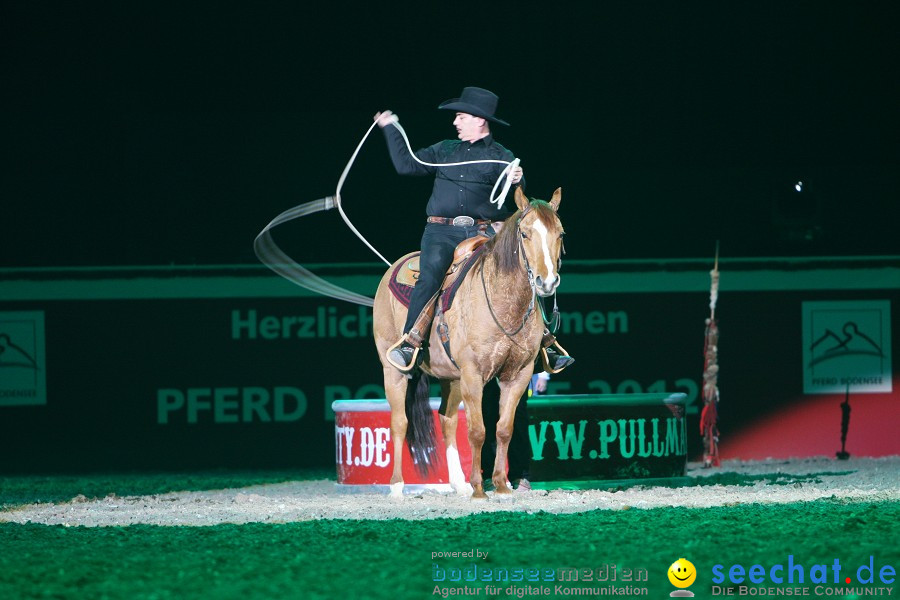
(709,417)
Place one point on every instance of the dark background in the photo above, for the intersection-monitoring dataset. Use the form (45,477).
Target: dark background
(156,134)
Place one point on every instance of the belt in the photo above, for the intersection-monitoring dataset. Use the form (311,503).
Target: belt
(458,221)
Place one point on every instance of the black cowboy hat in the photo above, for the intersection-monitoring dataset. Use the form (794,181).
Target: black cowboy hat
(475,101)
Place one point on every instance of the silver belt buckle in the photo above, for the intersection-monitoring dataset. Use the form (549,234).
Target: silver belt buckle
(463,221)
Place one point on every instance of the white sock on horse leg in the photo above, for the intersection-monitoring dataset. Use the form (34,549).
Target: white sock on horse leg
(454,469)
(397,490)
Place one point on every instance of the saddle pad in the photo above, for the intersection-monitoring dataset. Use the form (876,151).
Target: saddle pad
(402,282)
(403,290)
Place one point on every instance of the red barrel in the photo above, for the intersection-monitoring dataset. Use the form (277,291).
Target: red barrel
(364,450)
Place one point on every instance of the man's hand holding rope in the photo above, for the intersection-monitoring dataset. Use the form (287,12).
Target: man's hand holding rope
(386,118)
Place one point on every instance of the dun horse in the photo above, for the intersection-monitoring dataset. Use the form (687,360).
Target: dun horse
(494,327)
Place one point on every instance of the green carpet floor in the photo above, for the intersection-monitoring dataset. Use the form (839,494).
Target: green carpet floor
(394,559)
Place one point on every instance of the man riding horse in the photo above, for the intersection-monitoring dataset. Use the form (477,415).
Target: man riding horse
(459,208)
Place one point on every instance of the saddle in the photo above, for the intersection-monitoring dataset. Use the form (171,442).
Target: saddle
(407,273)
(403,281)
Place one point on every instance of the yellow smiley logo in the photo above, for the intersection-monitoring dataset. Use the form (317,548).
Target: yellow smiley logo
(682,573)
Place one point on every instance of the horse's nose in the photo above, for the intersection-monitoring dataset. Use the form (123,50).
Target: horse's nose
(545,287)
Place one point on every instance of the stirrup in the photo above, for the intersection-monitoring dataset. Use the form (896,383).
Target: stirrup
(412,362)
(546,359)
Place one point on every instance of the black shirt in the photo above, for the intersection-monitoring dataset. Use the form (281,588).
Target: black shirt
(462,190)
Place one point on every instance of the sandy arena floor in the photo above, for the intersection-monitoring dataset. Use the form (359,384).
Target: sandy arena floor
(798,480)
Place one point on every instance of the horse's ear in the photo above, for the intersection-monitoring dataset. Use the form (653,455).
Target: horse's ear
(556,199)
(521,200)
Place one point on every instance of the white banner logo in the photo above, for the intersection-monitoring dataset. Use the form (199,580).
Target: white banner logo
(845,344)
(23,374)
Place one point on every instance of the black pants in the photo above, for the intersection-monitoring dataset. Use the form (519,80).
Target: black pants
(438,243)
(519,445)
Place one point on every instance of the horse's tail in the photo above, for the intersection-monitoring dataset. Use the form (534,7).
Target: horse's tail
(420,436)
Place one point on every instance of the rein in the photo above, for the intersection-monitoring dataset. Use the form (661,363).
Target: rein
(553,322)
(554,319)
(494,315)
(530,275)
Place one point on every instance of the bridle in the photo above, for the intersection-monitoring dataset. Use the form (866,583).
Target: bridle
(529,272)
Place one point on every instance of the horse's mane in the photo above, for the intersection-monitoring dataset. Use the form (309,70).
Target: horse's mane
(505,245)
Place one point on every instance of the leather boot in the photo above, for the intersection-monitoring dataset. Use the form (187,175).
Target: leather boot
(555,356)
(403,354)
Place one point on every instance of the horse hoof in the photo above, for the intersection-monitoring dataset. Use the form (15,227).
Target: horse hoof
(502,490)
(397,491)
(478,493)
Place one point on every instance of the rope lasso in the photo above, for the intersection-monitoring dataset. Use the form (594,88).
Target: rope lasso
(268,252)
(510,165)
(273,257)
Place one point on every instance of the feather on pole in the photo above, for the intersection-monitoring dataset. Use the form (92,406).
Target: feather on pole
(709,417)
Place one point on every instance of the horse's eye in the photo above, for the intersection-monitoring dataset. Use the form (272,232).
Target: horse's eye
(524,235)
